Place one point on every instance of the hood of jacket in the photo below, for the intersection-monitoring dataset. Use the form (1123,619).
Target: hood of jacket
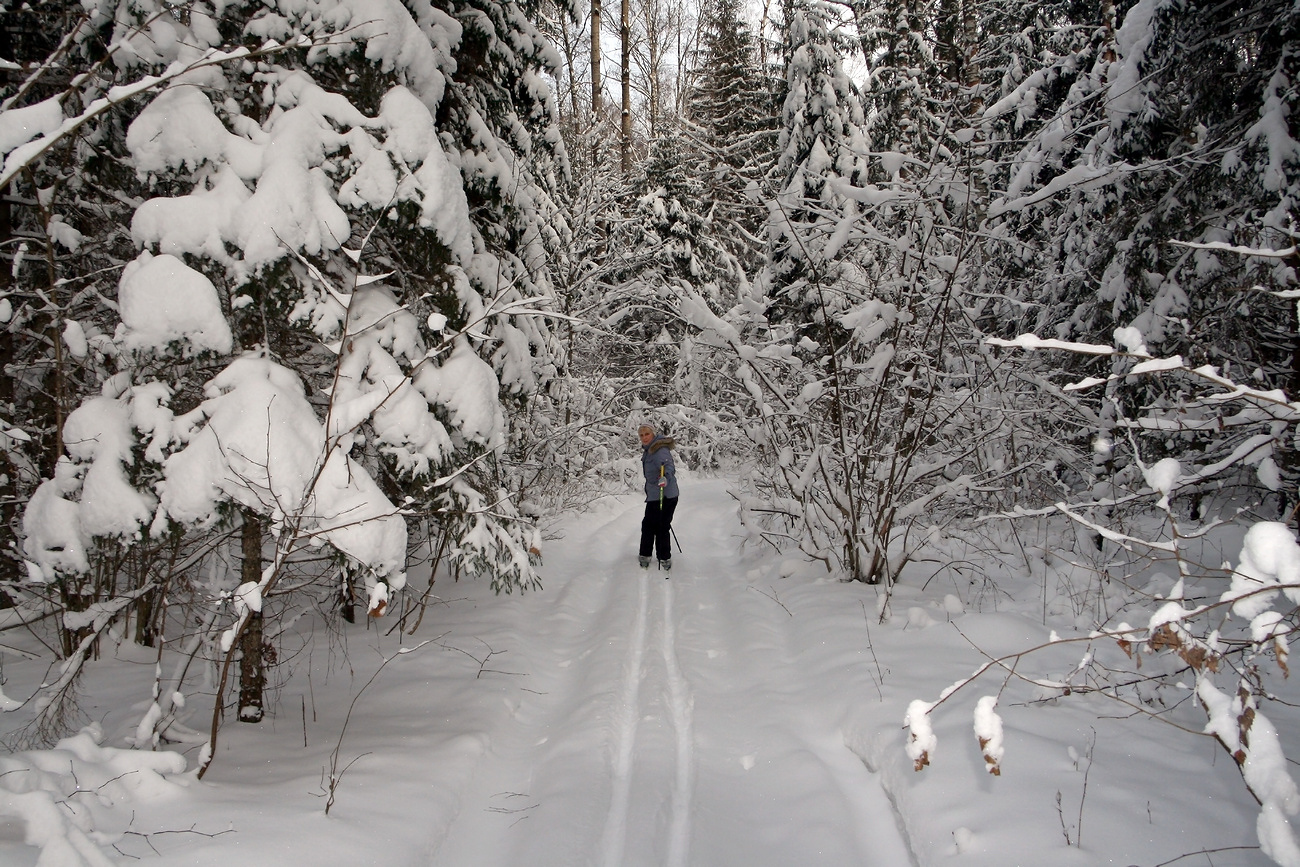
(660,443)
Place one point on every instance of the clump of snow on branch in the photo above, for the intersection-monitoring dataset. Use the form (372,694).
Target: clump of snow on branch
(1253,742)
(246,600)
(467,386)
(256,441)
(921,739)
(162,300)
(373,384)
(53,540)
(390,37)
(988,729)
(1269,557)
(98,435)
(1162,477)
(179,130)
(293,205)
(21,124)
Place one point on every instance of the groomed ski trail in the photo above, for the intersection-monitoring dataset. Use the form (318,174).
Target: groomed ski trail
(629,714)
(638,732)
(681,702)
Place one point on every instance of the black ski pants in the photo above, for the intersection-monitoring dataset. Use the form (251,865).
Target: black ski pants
(656,528)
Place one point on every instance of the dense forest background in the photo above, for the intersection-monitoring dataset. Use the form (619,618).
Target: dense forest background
(904,269)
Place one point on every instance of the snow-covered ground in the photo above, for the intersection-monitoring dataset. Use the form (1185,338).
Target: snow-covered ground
(745,712)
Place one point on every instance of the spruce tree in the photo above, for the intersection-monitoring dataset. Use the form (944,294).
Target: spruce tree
(907,102)
(823,136)
(366,209)
(731,119)
(1133,150)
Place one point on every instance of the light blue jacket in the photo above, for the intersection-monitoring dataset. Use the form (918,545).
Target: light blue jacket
(659,454)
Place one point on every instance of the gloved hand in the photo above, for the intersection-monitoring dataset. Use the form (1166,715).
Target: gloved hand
(663,483)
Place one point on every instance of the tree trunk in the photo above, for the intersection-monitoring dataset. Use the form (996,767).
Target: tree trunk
(570,64)
(947,30)
(595,62)
(252,665)
(9,484)
(653,63)
(625,39)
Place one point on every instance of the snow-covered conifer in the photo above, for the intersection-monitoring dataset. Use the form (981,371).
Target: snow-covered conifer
(731,123)
(823,137)
(356,208)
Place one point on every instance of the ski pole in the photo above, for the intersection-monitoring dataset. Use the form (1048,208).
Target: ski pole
(661,487)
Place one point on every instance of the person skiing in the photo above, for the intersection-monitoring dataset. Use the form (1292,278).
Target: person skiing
(660,497)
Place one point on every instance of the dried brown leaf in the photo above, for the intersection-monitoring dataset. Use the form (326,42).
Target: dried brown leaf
(1165,638)
(1195,656)
(993,767)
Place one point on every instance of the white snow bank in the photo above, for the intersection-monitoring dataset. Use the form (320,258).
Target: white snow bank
(79,796)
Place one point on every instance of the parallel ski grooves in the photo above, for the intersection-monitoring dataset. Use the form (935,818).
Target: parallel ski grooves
(679,834)
(614,839)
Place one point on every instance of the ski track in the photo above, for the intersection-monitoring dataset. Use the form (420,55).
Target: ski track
(614,839)
(645,736)
(679,835)
(615,836)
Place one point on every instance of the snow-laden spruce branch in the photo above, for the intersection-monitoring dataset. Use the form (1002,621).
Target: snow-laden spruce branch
(50,127)
(46,126)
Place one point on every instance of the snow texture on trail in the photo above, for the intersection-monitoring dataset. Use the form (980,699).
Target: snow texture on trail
(653,730)
(615,837)
(681,702)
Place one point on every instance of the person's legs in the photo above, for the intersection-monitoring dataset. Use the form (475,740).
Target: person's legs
(649,524)
(663,530)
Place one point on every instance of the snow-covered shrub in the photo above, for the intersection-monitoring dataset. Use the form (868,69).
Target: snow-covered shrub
(1226,628)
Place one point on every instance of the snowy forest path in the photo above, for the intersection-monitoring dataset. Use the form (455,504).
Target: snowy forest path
(647,724)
